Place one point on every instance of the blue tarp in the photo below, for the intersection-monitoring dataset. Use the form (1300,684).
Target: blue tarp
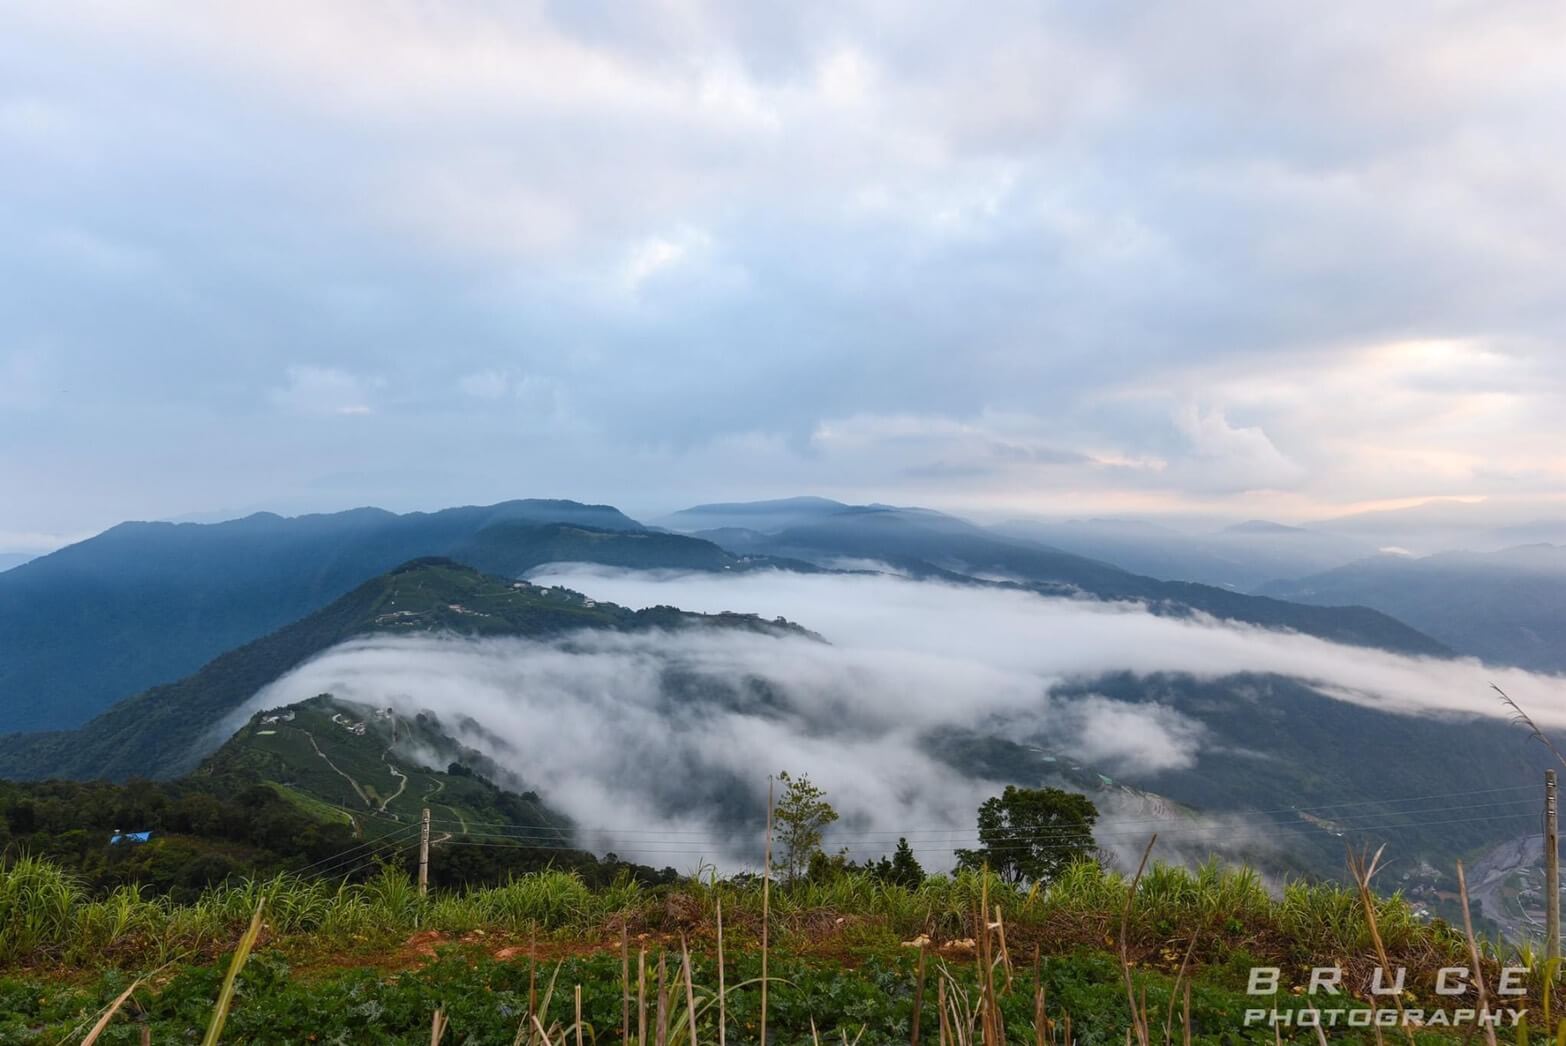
(129,837)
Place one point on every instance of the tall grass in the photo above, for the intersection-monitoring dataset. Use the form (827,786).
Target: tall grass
(46,915)
(990,999)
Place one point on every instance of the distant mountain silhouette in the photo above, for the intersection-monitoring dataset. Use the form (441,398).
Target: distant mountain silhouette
(147,603)
(1507,607)
(925,543)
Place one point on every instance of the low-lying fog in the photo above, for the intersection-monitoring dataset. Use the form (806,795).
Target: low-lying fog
(672,774)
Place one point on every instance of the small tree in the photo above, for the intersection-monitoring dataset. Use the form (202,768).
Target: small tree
(797,824)
(905,869)
(1032,834)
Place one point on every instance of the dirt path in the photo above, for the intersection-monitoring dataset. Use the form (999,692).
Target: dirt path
(352,783)
(402,782)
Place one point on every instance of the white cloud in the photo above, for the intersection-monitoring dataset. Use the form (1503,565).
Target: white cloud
(592,721)
(657,254)
(325,390)
(1226,456)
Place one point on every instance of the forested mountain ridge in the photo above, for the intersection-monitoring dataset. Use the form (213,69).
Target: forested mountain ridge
(165,730)
(927,543)
(145,604)
(148,603)
(323,788)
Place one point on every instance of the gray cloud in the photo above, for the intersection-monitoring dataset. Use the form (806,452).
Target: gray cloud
(704,235)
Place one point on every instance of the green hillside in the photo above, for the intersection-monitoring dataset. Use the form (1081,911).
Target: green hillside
(342,760)
(323,788)
(165,731)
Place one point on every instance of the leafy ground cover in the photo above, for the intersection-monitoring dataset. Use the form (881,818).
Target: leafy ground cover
(485,999)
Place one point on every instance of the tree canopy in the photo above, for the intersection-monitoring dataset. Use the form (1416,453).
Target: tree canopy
(1032,834)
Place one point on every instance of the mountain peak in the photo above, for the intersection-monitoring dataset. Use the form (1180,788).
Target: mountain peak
(1263,526)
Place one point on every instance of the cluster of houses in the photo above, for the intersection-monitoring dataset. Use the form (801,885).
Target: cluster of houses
(356,727)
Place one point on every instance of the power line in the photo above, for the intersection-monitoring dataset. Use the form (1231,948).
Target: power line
(1010,843)
(378,858)
(542,835)
(358,860)
(707,832)
(376,842)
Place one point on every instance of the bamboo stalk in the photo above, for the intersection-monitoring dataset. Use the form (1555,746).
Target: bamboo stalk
(723,1002)
(766,892)
(641,997)
(578,1015)
(663,1008)
(690,991)
(1000,929)
(940,1005)
(625,986)
(1184,964)
(918,1000)
(987,1008)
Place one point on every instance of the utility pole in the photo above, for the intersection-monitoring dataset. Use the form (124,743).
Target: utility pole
(423,854)
(1552,871)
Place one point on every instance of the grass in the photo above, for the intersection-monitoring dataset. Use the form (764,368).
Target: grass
(852,958)
(47,917)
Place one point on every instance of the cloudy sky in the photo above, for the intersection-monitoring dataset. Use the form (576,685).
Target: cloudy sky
(1248,259)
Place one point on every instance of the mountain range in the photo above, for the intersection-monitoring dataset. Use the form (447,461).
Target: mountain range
(167,729)
(207,615)
(1506,607)
(148,603)
(931,544)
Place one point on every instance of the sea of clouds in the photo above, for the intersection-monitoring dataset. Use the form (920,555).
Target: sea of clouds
(659,744)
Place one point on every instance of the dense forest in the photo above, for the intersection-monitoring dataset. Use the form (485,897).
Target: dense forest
(210,829)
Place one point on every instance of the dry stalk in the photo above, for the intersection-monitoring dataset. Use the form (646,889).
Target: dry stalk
(1138,1016)
(1473,952)
(1362,873)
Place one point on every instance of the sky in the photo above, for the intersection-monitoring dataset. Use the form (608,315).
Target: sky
(1113,258)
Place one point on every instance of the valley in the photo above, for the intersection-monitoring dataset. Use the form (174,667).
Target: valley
(597,710)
